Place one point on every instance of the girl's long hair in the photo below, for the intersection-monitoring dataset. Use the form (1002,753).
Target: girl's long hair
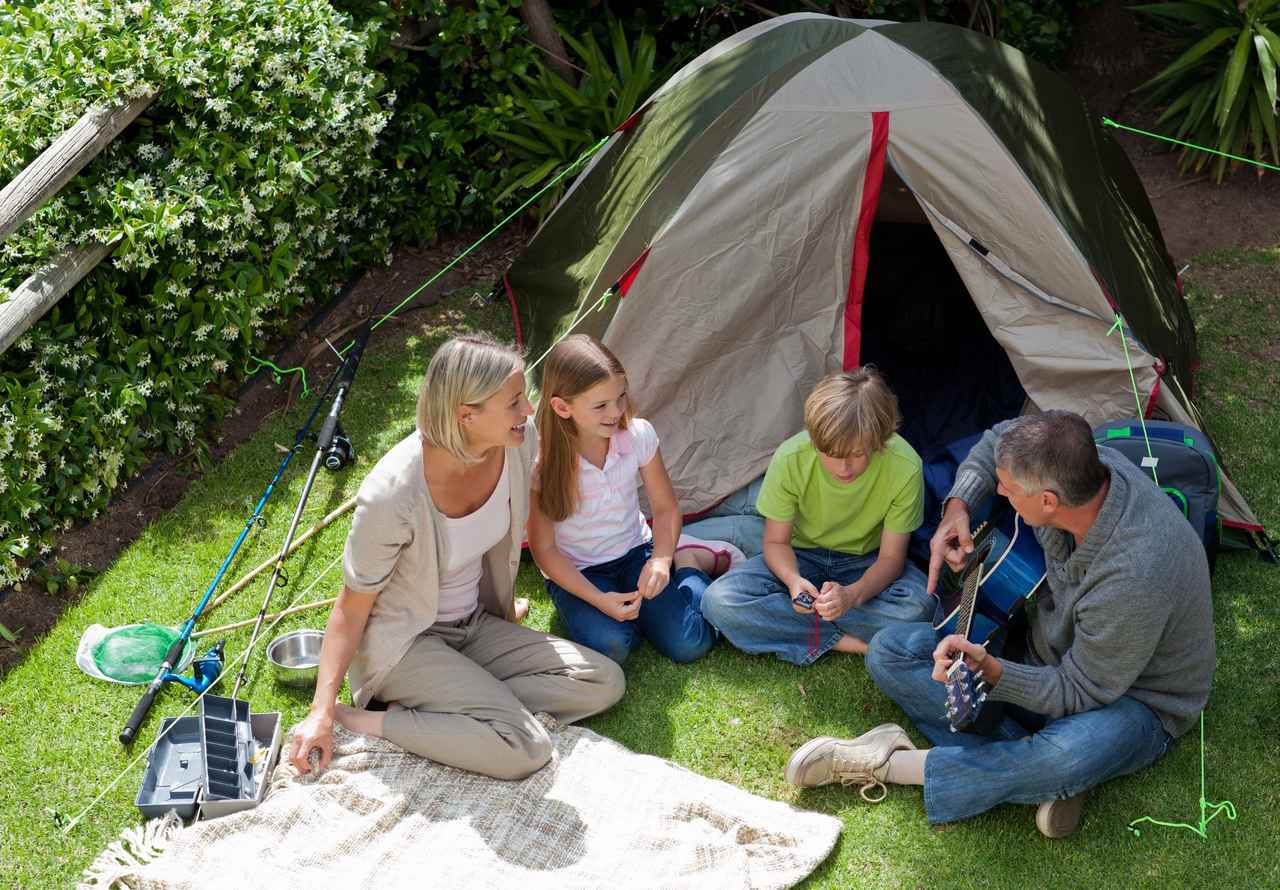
(573,366)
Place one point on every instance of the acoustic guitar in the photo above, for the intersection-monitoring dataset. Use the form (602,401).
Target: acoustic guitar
(978,603)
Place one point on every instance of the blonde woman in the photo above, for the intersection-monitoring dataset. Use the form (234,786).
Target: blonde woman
(425,622)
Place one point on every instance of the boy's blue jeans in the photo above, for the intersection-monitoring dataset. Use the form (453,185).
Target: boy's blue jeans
(672,621)
(1029,759)
(752,608)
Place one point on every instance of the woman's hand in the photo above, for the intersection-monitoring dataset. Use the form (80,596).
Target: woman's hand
(316,731)
(620,606)
(654,577)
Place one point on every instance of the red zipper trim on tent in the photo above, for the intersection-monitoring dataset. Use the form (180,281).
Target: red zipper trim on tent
(635,116)
(862,238)
(1244,525)
(515,313)
(1151,399)
(628,278)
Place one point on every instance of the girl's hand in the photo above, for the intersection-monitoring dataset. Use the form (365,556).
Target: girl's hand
(654,577)
(316,731)
(621,606)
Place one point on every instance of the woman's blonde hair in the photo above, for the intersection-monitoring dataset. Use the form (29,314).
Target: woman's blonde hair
(466,370)
(851,409)
(572,367)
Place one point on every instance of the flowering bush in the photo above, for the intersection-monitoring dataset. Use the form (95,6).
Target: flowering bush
(247,188)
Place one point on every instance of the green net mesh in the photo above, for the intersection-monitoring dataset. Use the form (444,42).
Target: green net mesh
(135,653)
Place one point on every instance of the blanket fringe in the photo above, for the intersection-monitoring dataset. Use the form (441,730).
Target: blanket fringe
(135,848)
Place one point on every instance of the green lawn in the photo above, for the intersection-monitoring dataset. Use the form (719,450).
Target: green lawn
(730,716)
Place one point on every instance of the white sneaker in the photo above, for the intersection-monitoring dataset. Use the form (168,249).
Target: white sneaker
(824,760)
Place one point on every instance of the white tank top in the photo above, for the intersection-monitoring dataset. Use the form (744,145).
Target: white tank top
(469,538)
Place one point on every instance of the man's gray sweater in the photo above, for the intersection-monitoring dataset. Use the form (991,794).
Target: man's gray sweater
(1128,612)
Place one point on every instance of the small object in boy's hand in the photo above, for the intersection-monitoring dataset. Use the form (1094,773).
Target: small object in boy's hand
(313,758)
(804,599)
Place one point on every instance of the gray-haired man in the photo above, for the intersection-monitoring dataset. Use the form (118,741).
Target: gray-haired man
(1120,640)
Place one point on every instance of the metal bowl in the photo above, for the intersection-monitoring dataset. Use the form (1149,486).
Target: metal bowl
(295,657)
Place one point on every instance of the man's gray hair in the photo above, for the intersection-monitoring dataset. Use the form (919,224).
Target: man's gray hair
(1053,450)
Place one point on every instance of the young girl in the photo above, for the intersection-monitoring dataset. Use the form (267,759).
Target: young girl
(609,576)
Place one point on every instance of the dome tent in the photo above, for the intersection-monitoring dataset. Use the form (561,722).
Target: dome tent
(814,193)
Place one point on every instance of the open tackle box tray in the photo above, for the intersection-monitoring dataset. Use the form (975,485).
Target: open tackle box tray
(211,764)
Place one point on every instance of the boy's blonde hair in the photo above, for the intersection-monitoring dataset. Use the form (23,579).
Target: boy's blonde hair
(466,370)
(851,409)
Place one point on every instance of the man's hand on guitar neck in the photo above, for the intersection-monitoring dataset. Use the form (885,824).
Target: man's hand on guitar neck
(954,646)
(951,542)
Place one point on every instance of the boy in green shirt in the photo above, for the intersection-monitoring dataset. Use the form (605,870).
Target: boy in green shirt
(840,501)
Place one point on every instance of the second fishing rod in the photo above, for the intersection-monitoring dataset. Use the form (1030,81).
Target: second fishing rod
(333,450)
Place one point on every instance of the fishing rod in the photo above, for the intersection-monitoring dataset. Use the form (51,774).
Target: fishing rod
(173,657)
(328,451)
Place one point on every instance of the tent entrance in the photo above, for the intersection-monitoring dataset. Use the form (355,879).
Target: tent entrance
(921,328)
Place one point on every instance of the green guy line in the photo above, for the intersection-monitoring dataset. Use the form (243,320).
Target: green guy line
(1225,806)
(280,372)
(1213,151)
(459,258)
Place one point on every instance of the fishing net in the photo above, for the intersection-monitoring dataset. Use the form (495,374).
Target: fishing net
(131,654)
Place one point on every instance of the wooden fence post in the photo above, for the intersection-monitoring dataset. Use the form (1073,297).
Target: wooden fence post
(63,159)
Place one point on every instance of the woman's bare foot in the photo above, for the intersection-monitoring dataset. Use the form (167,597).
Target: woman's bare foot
(522,609)
(358,720)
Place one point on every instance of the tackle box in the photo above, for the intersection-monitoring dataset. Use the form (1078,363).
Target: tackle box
(211,764)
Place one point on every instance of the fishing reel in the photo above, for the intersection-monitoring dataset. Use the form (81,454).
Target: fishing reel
(340,453)
(205,670)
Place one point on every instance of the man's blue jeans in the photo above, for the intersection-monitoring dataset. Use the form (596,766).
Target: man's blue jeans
(1029,759)
(672,621)
(752,608)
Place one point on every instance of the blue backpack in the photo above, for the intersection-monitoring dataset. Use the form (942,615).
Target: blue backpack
(1185,464)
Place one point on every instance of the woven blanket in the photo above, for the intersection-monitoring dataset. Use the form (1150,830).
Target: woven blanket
(597,816)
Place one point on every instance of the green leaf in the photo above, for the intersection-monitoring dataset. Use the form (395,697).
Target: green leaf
(9,635)
(1196,13)
(1268,65)
(1235,75)
(1267,113)
(1193,55)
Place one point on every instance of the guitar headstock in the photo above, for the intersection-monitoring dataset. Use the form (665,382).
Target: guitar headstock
(966,692)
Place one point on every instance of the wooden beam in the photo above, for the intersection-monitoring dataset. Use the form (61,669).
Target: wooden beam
(63,159)
(46,286)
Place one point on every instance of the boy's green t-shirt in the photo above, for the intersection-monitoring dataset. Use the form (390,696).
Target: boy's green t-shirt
(844,517)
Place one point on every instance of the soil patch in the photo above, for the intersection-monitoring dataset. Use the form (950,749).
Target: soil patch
(31,612)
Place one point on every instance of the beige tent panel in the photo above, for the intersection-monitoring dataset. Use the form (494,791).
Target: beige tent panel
(972,180)
(1063,360)
(725,378)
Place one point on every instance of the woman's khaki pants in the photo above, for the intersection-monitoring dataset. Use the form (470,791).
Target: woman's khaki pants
(469,690)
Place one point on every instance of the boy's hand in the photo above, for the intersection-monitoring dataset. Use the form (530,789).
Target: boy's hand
(621,606)
(834,600)
(654,577)
(797,587)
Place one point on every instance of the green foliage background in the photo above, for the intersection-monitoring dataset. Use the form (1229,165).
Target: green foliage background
(291,143)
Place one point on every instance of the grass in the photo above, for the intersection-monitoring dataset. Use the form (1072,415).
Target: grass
(730,716)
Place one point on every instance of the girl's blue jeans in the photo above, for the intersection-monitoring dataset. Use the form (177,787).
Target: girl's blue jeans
(672,621)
